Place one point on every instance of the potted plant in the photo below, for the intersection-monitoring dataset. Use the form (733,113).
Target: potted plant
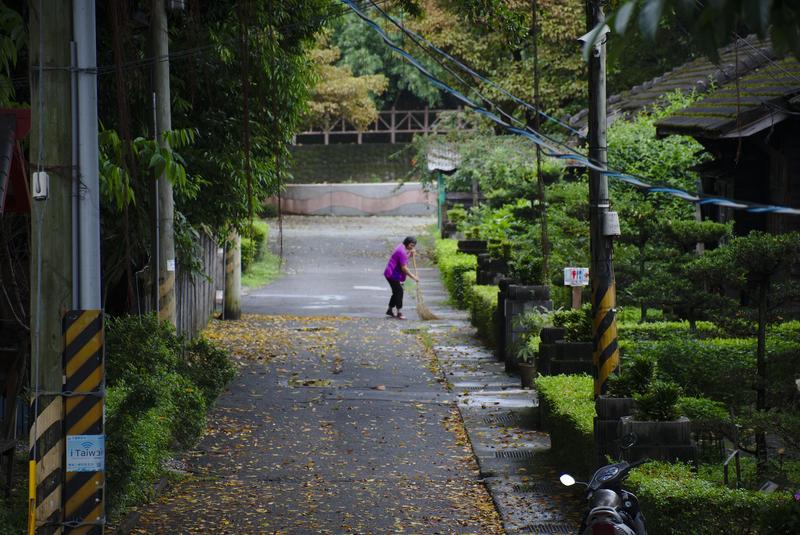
(526,363)
(527,328)
(618,402)
(662,434)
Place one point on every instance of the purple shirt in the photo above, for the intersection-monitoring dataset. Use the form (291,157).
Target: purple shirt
(394,269)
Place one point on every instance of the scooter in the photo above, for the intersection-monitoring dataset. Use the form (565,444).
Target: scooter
(612,510)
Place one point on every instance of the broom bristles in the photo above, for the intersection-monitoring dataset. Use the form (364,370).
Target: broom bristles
(424,312)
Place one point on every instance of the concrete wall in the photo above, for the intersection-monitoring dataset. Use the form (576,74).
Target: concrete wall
(391,198)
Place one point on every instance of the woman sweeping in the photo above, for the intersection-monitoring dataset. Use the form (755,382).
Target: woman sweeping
(396,272)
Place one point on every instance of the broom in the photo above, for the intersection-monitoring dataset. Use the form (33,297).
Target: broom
(424,312)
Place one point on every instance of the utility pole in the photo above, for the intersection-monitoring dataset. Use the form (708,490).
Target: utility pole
(537,124)
(601,273)
(232,308)
(51,252)
(164,263)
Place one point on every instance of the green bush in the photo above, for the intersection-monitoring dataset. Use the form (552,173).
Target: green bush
(208,366)
(567,405)
(661,330)
(254,244)
(576,322)
(249,249)
(659,402)
(483,305)
(635,378)
(723,369)
(453,265)
(676,502)
(159,389)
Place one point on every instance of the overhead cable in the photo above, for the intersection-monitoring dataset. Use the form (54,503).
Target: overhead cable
(551,151)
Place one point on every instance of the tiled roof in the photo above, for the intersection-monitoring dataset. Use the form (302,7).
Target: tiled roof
(699,75)
(764,97)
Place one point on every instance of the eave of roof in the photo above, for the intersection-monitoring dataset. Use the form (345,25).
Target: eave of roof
(759,100)
(699,75)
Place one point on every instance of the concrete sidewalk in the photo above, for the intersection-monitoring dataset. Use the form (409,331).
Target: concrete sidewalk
(343,420)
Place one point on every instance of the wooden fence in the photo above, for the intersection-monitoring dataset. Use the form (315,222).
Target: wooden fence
(390,124)
(197,296)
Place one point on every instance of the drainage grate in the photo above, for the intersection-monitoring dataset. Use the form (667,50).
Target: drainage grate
(548,528)
(506,419)
(538,488)
(514,454)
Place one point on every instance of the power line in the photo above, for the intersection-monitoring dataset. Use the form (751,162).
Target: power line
(416,38)
(542,141)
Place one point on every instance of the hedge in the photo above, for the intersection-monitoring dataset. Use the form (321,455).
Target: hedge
(159,388)
(453,267)
(253,247)
(567,405)
(675,501)
(723,369)
(483,305)
(661,330)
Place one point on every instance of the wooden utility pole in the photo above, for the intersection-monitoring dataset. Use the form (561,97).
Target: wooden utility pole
(51,251)
(164,274)
(601,272)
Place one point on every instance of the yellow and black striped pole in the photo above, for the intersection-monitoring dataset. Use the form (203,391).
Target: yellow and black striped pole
(604,325)
(84,390)
(45,465)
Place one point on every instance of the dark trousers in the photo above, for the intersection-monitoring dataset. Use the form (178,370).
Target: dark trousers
(397,294)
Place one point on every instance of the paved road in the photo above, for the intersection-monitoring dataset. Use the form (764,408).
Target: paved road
(339,420)
(334,267)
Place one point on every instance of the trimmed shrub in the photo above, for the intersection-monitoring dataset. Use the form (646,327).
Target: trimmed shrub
(567,405)
(577,322)
(723,369)
(453,265)
(675,501)
(159,389)
(253,246)
(483,305)
(666,329)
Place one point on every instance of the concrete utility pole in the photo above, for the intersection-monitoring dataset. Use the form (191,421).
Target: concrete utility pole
(51,250)
(233,278)
(601,272)
(537,124)
(88,246)
(164,272)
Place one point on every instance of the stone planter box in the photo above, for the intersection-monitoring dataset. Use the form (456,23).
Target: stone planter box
(609,411)
(490,269)
(551,335)
(661,441)
(475,247)
(565,357)
(519,300)
(500,318)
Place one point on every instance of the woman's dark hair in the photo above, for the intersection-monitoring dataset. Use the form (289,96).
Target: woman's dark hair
(410,239)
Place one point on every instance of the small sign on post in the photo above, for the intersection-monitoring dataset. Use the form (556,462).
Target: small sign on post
(577,277)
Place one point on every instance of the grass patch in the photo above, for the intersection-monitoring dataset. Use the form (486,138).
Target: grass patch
(263,271)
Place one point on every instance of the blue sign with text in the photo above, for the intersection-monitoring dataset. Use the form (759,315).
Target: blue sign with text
(86,453)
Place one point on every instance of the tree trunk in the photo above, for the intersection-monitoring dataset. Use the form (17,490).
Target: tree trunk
(761,381)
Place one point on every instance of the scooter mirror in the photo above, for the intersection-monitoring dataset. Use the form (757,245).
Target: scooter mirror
(567,480)
(628,441)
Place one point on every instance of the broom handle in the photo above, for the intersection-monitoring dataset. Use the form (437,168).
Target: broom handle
(414,259)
